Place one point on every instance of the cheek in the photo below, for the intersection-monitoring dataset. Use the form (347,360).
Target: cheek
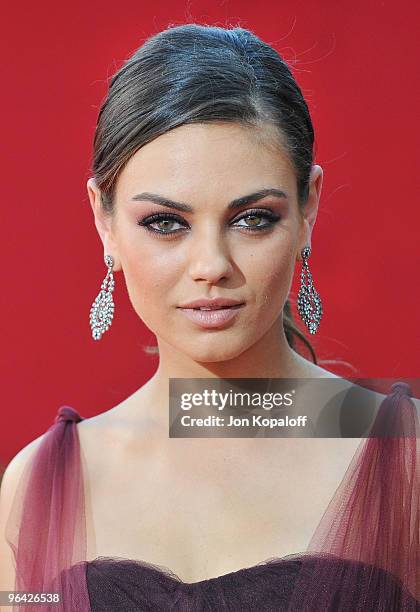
(149,281)
(271,280)
(146,286)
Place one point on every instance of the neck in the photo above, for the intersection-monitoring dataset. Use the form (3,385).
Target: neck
(270,357)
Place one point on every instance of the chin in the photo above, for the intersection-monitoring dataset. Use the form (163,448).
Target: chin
(223,349)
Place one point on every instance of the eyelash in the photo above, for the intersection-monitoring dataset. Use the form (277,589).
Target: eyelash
(147,221)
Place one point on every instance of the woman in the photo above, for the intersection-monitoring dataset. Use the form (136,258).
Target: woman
(204,188)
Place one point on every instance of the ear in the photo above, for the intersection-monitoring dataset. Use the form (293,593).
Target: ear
(103,223)
(310,209)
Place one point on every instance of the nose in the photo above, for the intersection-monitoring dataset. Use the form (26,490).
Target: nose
(209,257)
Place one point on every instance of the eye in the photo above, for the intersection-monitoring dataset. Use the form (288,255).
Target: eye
(255,216)
(164,222)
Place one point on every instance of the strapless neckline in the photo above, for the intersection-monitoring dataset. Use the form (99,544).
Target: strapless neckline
(163,571)
(114,583)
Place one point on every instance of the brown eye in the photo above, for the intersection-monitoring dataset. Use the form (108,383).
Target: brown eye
(164,223)
(253,220)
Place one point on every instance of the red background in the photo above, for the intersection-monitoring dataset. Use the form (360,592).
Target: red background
(357,66)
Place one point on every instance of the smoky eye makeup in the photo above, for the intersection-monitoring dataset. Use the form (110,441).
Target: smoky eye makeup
(162,224)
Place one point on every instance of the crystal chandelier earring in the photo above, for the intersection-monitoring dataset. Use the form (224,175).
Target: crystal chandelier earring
(102,310)
(309,303)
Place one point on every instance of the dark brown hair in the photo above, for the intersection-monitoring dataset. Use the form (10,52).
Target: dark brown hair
(196,73)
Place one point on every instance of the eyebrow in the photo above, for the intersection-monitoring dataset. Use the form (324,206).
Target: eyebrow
(237,203)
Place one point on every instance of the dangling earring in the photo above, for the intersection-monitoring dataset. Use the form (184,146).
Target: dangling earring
(102,310)
(309,303)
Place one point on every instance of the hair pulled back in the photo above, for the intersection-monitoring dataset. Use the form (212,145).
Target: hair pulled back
(196,73)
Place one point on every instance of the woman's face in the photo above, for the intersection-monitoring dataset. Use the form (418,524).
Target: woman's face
(245,252)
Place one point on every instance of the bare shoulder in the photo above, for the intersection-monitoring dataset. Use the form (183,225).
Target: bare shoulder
(318,372)
(108,436)
(107,428)
(14,471)
(312,370)
(308,369)
(416,402)
(15,467)
(9,483)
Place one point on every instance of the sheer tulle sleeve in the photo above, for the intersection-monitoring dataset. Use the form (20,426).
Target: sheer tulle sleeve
(373,518)
(46,528)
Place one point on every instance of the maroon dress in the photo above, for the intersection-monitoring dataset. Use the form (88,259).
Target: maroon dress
(363,556)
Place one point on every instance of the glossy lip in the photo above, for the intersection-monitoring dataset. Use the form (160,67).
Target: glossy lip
(210,319)
(216,302)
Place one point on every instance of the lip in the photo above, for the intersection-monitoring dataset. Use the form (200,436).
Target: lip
(216,302)
(210,319)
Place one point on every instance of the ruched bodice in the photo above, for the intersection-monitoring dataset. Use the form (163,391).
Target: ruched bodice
(364,555)
(124,585)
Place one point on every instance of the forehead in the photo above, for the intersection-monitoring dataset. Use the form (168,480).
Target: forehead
(209,159)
